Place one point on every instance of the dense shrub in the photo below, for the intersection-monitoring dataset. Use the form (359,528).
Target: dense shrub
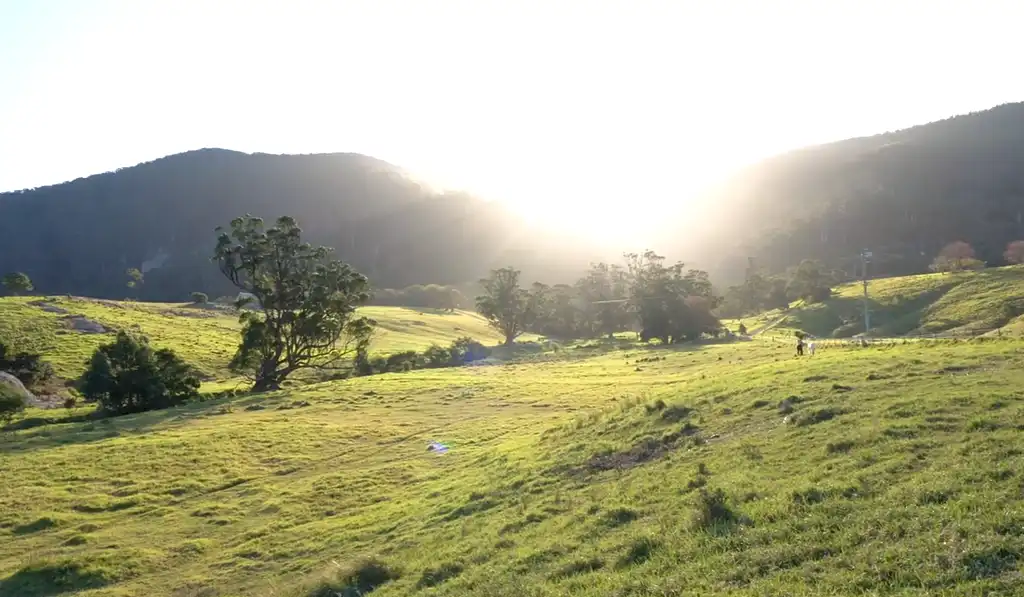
(467,350)
(31,369)
(128,376)
(199,298)
(11,403)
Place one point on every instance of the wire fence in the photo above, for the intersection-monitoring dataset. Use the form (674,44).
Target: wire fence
(821,343)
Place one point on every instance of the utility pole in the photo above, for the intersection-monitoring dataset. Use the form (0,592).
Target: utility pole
(865,256)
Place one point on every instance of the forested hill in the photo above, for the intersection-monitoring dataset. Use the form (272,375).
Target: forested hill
(80,237)
(902,194)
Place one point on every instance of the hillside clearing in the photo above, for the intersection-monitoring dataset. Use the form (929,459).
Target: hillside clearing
(883,470)
(205,337)
(986,301)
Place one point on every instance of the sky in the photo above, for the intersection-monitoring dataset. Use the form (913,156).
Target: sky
(558,107)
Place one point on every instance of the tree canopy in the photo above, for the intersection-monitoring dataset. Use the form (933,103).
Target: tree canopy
(305,301)
(17,283)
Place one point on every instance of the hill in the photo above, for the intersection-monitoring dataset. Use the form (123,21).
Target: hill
(79,237)
(988,301)
(732,469)
(205,337)
(902,194)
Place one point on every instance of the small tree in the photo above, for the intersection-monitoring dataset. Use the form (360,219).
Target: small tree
(134,279)
(199,298)
(507,307)
(128,376)
(955,257)
(308,301)
(17,283)
(1015,252)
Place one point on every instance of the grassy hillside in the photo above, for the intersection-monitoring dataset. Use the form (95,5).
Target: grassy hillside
(966,302)
(207,338)
(879,471)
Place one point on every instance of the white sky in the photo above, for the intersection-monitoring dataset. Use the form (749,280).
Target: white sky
(554,106)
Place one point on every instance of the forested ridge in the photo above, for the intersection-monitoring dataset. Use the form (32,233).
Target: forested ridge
(903,195)
(81,237)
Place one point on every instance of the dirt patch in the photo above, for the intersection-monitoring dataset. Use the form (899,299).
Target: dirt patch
(48,307)
(645,451)
(80,323)
(816,378)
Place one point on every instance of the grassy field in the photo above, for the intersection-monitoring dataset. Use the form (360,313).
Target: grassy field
(728,469)
(206,338)
(987,301)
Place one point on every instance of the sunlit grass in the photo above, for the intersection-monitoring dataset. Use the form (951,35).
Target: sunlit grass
(886,470)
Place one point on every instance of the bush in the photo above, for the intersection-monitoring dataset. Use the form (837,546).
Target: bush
(711,509)
(437,356)
(199,298)
(11,403)
(128,376)
(30,369)
(467,350)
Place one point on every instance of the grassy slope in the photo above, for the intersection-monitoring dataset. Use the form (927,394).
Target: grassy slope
(907,481)
(205,338)
(928,303)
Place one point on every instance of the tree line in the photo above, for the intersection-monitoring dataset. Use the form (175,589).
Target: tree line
(645,294)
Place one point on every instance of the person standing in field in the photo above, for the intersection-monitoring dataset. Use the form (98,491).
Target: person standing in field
(799,346)
(810,347)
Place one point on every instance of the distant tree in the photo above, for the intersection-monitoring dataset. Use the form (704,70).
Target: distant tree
(955,257)
(671,306)
(810,282)
(742,329)
(17,283)
(308,301)
(127,376)
(199,298)
(134,279)
(1015,252)
(603,294)
(509,308)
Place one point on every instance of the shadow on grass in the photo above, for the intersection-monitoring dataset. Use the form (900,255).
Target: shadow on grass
(47,580)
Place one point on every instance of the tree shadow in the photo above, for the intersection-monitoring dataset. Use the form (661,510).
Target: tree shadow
(48,580)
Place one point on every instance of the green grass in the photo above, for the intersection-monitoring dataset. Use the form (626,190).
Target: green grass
(723,470)
(969,302)
(206,338)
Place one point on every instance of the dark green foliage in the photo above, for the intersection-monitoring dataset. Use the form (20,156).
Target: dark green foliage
(11,403)
(810,282)
(711,510)
(431,296)
(306,301)
(199,298)
(17,283)
(509,308)
(31,369)
(376,217)
(670,305)
(128,376)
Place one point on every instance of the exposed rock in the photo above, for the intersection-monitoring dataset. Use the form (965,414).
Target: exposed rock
(15,384)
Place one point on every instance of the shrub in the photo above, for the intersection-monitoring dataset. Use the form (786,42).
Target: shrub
(437,356)
(128,376)
(711,509)
(467,350)
(30,369)
(199,298)
(11,403)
